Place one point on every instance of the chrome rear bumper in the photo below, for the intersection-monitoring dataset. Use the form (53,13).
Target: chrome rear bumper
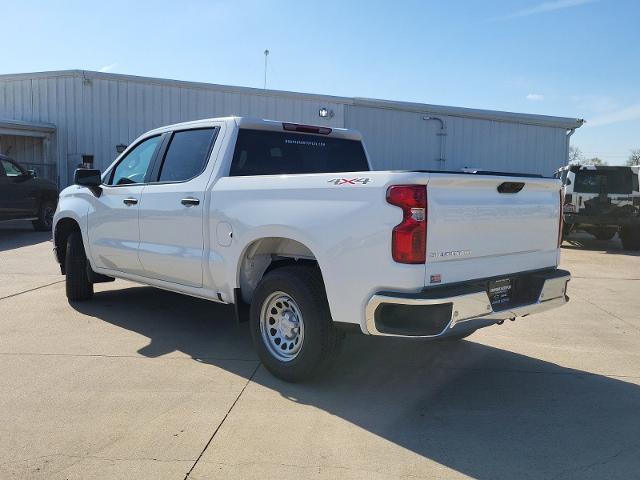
(473,310)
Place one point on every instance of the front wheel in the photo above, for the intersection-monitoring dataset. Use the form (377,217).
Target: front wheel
(290,323)
(77,279)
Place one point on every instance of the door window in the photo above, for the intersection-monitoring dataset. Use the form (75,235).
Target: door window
(11,169)
(133,168)
(187,155)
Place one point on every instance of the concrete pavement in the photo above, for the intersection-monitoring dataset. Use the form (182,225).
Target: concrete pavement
(141,383)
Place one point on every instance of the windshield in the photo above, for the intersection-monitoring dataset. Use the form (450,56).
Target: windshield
(604,181)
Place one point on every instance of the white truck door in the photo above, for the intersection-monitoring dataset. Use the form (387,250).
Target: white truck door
(113,221)
(172,209)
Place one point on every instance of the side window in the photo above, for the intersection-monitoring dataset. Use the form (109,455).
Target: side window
(133,168)
(187,155)
(11,169)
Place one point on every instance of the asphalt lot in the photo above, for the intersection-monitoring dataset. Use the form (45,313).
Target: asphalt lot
(145,384)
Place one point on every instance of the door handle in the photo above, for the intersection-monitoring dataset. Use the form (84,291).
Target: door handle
(190,202)
(130,201)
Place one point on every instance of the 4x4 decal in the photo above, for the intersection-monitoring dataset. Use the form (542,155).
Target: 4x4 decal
(350,181)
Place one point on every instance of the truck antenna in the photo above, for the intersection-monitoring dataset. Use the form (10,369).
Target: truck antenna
(266,55)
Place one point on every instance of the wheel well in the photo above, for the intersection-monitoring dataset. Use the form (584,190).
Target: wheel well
(266,254)
(64,228)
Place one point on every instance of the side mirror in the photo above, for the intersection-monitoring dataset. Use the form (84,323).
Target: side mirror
(90,178)
(87,177)
(32,173)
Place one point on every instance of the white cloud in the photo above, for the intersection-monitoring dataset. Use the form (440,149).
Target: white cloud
(535,97)
(545,7)
(108,68)
(623,115)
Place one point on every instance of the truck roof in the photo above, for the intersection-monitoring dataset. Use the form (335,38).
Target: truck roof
(266,124)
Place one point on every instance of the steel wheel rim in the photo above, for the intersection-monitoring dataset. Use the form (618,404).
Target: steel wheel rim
(281,326)
(48,215)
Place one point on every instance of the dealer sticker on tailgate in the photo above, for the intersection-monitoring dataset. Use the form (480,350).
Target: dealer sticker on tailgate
(500,291)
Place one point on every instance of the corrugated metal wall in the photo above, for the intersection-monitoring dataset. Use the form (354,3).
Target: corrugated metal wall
(404,140)
(93,114)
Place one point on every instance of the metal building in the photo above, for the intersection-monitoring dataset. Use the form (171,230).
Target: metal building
(49,120)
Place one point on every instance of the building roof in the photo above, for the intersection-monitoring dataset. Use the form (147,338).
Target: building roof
(9,126)
(495,115)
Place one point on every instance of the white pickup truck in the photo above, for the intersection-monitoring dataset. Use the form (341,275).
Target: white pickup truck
(288,222)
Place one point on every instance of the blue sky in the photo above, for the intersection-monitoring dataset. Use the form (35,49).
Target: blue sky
(574,58)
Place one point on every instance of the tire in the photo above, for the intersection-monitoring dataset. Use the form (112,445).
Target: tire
(45,216)
(290,323)
(77,281)
(630,237)
(459,336)
(604,233)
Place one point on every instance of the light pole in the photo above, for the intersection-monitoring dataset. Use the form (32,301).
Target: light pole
(266,55)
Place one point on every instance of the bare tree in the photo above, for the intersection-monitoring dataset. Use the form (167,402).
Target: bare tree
(575,155)
(634,157)
(594,161)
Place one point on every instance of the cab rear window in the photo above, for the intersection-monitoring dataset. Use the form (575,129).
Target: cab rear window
(604,181)
(260,152)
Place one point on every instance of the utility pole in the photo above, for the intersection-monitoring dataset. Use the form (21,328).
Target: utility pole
(266,55)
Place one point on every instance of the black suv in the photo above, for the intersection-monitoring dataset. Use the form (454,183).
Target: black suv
(24,196)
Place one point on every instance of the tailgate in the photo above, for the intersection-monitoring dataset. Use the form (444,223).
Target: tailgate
(475,231)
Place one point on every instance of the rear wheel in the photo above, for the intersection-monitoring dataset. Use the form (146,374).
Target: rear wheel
(459,336)
(290,323)
(77,279)
(604,233)
(45,216)
(630,237)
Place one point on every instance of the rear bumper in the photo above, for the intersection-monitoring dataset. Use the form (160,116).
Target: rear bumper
(445,311)
(579,219)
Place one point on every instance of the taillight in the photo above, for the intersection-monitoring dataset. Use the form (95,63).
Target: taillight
(561,221)
(409,238)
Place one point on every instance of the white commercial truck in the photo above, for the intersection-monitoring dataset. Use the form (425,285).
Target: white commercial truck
(288,222)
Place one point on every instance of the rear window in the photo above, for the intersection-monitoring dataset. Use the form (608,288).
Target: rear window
(187,155)
(260,152)
(606,181)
